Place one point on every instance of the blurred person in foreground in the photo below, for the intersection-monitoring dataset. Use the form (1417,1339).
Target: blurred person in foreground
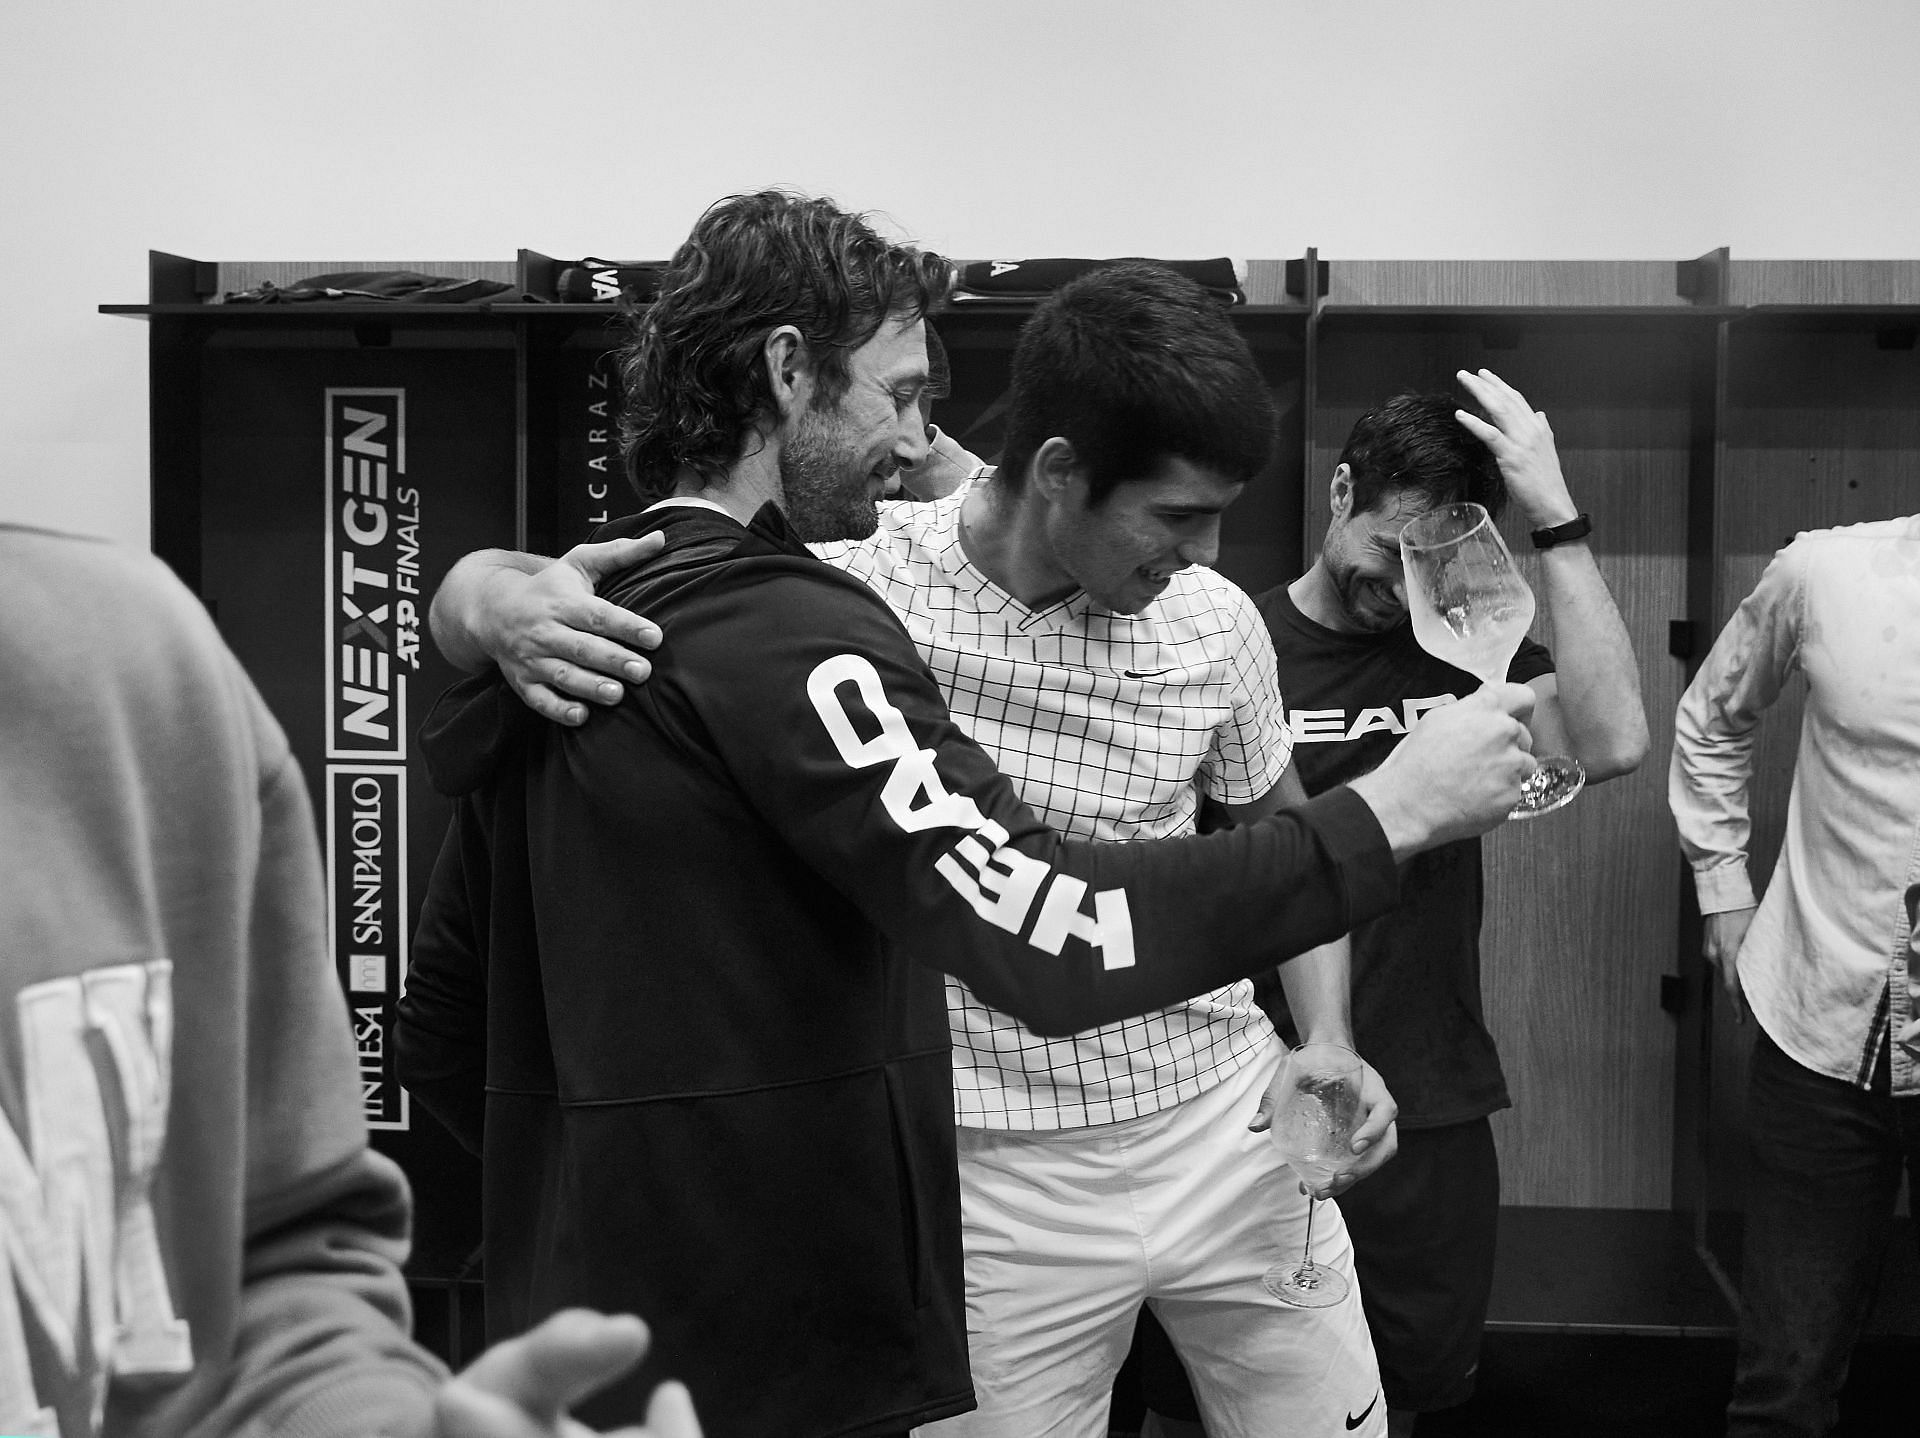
(195,1237)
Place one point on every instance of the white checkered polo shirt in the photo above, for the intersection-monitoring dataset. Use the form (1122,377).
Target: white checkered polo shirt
(1105,723)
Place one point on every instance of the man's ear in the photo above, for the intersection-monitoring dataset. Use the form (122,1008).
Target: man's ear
(789,370)
(1053,468)
(1340,492)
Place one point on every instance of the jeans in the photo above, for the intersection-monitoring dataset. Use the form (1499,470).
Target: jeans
(1826,1169)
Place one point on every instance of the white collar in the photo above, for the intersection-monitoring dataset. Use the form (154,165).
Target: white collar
(685,501)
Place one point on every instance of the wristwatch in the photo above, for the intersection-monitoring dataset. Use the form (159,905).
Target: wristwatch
(1578,528)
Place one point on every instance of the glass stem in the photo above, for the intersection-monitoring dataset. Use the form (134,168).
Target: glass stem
(1306,1253)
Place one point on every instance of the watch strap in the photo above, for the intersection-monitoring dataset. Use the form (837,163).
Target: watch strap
(1577,528)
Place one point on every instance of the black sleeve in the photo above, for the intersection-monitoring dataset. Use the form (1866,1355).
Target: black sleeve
(440,1028)
(1530,661)
(826,718)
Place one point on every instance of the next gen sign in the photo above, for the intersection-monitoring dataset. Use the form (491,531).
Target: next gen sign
(373,608)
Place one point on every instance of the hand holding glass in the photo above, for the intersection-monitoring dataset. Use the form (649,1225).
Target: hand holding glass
(1316,1109)
(1471,607)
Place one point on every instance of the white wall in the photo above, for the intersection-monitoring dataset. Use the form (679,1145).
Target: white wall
(463,129)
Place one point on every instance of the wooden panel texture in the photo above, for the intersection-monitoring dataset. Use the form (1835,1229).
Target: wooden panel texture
(1824,282)
(1504,283)
(1265,283)
(1579,916)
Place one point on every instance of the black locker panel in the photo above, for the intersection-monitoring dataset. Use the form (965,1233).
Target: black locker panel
(339,483)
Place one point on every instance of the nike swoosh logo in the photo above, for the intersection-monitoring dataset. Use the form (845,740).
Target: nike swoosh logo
(1145,673)
(1353,1422)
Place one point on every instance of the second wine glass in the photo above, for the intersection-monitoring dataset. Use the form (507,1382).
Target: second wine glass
(1471,607)
(1315,1111)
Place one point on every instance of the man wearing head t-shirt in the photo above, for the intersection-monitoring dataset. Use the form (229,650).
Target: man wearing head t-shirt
(1356,681)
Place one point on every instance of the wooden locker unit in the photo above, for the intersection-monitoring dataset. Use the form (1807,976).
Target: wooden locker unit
(1704,411)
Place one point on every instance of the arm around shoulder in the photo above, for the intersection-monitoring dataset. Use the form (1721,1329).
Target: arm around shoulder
(542,623)
(457,614)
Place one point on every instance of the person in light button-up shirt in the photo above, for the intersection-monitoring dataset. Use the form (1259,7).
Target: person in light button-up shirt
(1826,960)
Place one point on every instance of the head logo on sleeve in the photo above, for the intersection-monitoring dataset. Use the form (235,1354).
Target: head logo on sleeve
(999,882)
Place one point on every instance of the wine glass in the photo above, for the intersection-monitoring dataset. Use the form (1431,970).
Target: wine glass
(1316,1109)
(1471,607)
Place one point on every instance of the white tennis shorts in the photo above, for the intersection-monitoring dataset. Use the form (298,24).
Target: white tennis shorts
(1068,1232)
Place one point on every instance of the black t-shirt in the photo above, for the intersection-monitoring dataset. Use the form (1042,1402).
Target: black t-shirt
(1416,969)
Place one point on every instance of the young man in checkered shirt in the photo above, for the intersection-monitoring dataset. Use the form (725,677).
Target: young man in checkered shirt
(1065,611)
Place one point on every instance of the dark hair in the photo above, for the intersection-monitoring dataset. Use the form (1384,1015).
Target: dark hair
(1133,364)
(695,382)
(939,368)
(1413,444)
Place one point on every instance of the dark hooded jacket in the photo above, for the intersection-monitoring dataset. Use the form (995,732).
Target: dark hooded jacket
(678,979)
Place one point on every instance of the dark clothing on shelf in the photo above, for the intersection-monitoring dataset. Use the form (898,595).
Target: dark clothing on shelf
(1028,280)
(381,285)
(1416,970)
(675,946)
